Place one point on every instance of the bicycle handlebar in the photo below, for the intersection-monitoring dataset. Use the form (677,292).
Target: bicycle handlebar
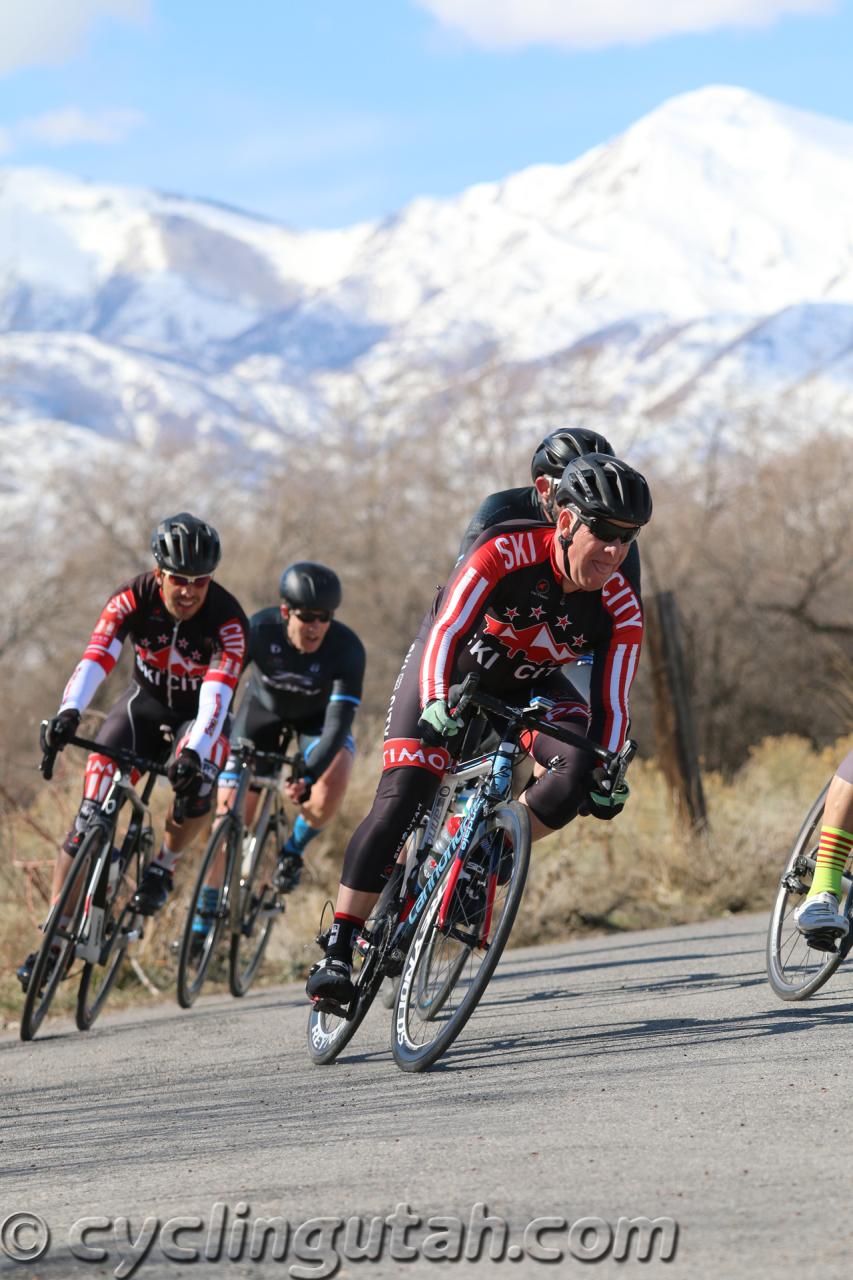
(460,697)
(122,755)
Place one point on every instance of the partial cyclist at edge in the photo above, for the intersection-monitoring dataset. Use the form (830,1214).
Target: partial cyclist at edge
(189,637)
(306,675)
(526,600)
(819,917)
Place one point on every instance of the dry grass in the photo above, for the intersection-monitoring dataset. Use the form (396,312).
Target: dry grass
(636,872)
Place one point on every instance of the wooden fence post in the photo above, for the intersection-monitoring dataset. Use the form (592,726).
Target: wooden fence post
(673,716)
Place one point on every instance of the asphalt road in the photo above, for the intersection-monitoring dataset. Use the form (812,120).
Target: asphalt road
(641,1075)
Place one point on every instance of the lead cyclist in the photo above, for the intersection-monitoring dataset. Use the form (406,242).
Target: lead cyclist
(526,600)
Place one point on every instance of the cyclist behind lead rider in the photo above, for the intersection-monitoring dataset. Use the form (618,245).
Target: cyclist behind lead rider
(307,672)
(189,638)
(525,601)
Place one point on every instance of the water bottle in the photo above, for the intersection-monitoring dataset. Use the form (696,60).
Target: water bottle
(502,773)
(452,823)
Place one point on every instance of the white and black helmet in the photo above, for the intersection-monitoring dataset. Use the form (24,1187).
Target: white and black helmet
(306,585)
(600,485)
(186,545)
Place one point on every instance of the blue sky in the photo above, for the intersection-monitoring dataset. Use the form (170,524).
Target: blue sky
(325,112)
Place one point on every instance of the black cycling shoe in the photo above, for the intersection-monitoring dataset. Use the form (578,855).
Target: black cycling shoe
(331,980)
(154,888)
(25,970)
(288,873)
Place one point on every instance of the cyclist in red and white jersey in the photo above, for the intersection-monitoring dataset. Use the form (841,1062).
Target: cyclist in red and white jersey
(527,600)
(189,637)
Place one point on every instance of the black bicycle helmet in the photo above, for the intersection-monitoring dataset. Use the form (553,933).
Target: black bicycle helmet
(556,451)
(184,544)
(310,586)
(600,485)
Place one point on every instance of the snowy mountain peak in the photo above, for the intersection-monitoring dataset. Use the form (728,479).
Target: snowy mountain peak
(686,270)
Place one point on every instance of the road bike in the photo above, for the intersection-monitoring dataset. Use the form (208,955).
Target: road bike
(446,912)
(94,919)
(796,967)
(239,867)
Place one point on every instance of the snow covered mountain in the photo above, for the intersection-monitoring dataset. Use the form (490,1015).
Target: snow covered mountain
(693,275)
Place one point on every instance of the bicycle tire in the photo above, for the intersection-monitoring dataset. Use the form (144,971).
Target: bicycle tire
(796,970)
(327,1033)
(431,996)
(116,924)
(443,1026)
(194,959)
(40,993)
(259,902)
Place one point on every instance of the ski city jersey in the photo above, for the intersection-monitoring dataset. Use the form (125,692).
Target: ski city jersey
(505,615)
(191,667)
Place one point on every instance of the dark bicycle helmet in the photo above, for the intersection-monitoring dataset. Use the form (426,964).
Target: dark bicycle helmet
(185,544)
(556,451)
(600,485)
(310,586)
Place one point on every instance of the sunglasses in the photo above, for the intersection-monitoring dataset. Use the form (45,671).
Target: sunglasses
(312,615)
(605,531)
(180,580)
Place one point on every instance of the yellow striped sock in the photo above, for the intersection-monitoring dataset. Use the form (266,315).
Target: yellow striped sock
(832,854)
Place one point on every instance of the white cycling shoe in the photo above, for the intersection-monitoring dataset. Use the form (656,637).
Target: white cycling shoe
(820,914)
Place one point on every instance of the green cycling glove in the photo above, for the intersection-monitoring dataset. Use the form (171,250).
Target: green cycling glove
(437,715)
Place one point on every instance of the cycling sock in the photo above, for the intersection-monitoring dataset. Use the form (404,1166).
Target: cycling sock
(207,902)
(342,935)
(832,854)
(301,835)
(166,859)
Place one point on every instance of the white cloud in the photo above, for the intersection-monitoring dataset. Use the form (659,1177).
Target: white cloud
(590,24)
(36,33)
(69,125)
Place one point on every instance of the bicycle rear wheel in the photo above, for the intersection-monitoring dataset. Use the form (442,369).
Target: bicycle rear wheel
(795,969)
(57,949)
(199,947)
(98,979)
(448,969)
(260,904)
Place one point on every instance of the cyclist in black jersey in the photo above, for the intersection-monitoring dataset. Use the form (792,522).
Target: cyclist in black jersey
(526,601)
(189,638)
(306,674)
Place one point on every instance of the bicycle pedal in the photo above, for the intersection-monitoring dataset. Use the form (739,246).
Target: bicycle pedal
(824,940)
(333,1008)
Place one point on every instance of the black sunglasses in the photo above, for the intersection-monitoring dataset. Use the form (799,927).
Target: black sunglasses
(605,531)
(312,615)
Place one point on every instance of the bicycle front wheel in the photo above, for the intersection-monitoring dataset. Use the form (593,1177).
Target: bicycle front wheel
(448,966)
(61,934)
(260,904)
(121,924)
(207,917)
(794,968)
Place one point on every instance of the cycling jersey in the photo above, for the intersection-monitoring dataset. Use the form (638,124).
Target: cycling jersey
(524,504)
(190,667)
(505,615)
(317,693)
